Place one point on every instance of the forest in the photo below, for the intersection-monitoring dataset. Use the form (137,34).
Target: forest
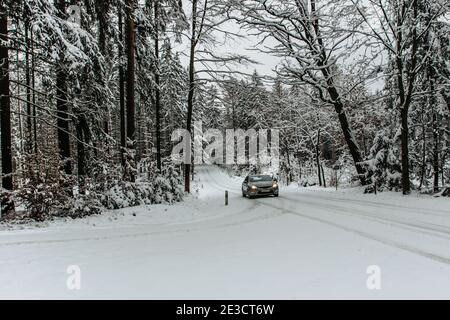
(92,90)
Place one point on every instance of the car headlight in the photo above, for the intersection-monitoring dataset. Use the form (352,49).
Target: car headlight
(254,187)
(274,185)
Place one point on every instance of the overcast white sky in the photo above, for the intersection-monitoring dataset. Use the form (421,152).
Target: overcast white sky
(266,63)
(246,46)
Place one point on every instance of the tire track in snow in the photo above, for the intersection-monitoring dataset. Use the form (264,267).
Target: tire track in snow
(392,243)
(385,241)
(138,235)
(442,213)
(428,228)
(187,229)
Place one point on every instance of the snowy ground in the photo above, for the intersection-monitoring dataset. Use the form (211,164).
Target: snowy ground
(304,244)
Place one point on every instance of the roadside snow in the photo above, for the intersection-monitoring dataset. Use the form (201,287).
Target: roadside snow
(305,244)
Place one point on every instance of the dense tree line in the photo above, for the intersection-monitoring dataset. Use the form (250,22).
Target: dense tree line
(81,103)
(338,49)
(91,91)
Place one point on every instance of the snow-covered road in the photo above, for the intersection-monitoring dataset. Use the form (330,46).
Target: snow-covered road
(304,244)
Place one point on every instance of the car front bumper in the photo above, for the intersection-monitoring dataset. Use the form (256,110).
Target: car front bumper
(263,191)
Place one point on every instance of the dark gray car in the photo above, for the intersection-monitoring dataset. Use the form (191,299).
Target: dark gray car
(259,185)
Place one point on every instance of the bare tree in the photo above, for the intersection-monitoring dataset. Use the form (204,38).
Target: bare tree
(398,27)
(311,40)
(206,27)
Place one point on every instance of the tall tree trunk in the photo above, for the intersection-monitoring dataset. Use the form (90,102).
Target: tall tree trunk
(130,35)
(404,137)
(20,163)
(403,115)
(121,93)
(405,93)
(323,176)
(431,105)
(435,154)
(435,128)
(158,92)
(102,8)
(33,85)
(62,108)
(29,131)
(424,149)
(139,135)
(5,103)
(84,136)
(288,161)
(319,175)
(444,183)
(187,167)
(81,152)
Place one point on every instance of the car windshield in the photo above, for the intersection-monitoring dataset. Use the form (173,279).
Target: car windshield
(260,178)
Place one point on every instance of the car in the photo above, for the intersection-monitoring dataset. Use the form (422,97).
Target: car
(259,185)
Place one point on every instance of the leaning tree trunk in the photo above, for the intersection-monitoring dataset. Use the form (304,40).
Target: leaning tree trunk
(335,96)
(347,131)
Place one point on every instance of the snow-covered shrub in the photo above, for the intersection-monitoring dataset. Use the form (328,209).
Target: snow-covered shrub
(384,163)
(151,188)
(7,203)
(127,194)
(307,181)
(82,205)
(168,185)
(45,197)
